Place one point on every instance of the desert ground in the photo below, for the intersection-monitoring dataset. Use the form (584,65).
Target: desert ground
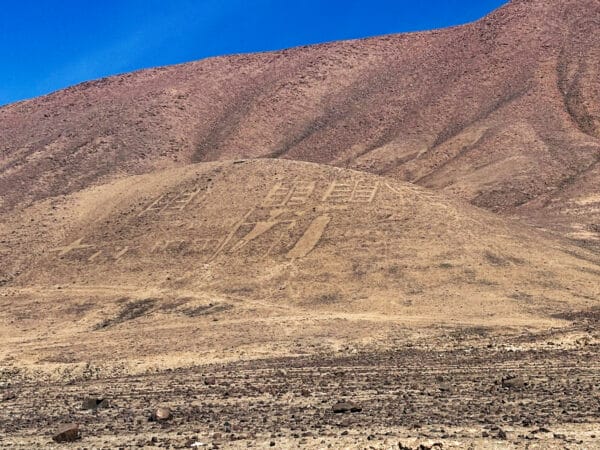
(445,388)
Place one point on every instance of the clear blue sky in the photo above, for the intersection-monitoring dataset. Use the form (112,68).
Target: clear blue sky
(46,45)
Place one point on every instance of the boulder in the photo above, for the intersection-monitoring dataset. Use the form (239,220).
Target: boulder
(67,433)
(161,414)
(8,395)
(513,382)
(345,407)
(94,403)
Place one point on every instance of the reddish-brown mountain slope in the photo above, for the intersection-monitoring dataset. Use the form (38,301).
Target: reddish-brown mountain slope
(504,112)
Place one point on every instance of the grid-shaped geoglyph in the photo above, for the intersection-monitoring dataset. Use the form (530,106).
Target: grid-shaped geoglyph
(289,194)
(172,202)
(351,192)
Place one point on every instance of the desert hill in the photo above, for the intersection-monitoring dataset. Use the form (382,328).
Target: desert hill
(503,112)
(276,243)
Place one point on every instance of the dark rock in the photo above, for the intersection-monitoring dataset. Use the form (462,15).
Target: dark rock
(345,407)
(513,382)
(444,387)
(430,447)
(210,381)
(94,403)
(67,433)
(8,395)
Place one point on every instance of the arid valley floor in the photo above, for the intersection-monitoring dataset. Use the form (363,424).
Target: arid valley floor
(444,389)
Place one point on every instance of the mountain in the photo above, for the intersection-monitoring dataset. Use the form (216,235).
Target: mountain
(503,112)
(340,246)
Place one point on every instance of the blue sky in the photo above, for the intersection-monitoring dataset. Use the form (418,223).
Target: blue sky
(46,45)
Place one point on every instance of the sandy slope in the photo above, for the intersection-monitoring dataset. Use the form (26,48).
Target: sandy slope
(279,252)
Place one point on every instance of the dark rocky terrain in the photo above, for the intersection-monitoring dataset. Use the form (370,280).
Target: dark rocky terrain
(466,388)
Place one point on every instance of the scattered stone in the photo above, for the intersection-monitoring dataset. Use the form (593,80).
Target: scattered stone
(67,433)
(161,414)
(435,445)
(513,382)
(8,395)
(345,407)
(94,403)
(444,387)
